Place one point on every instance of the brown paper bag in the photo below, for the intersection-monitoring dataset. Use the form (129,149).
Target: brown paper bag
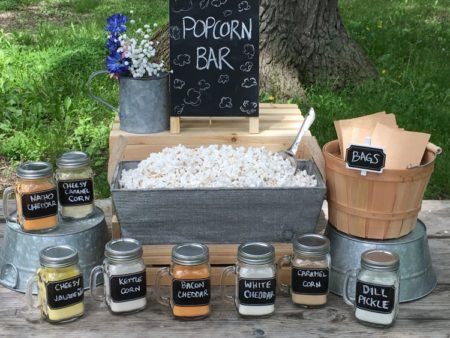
(402,148)
(358,129)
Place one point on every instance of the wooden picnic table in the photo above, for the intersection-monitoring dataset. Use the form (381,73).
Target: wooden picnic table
(427,317)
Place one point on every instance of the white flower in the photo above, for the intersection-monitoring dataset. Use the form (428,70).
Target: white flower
(155,25)
(146,36)
(131,12)
(132,22)
(146,26)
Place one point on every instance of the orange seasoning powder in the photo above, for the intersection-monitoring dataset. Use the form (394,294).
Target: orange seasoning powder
(191,288)
(36,197)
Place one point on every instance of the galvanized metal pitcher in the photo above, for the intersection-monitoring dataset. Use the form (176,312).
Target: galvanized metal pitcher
(143,102)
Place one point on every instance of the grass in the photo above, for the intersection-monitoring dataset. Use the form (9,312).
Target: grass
(46,57)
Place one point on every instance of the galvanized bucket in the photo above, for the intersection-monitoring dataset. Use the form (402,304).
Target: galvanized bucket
(417,278)
(144,102)
(19,251)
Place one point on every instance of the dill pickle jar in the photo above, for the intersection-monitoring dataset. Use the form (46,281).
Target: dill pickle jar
(75,185)
(60,285)
(36,197)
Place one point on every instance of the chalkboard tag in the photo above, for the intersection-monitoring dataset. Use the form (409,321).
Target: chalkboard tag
(40,204)
(75,192)
(309,281)
(124,288)
(257,291)
(192,292)
(65,293)
(374,297)
(363,157)
(214,57)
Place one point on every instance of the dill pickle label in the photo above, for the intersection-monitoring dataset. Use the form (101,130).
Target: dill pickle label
(65,293)
(191,292)
(75,192)
(375,298)
(40,204)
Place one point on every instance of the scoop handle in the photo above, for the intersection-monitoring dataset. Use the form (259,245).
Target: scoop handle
(307,122)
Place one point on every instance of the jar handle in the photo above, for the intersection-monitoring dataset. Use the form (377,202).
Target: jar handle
(96,271)
(95,97)
(349,275)
(164,300)
(29,292)
(226,272)
(283,262)
(6,196)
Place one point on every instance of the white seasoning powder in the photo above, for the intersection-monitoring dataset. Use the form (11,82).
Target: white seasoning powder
(126,268)
(214,166)
(387,279)
(255,272)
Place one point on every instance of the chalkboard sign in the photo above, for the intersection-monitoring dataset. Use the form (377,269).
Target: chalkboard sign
(257,291)
(309,281)
(191,292)
(375,298)
(75,192)
(40,204)
(365,158)
(214,56)
(65,293)
(124,288)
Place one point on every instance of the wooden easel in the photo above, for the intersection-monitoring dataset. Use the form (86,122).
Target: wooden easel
(175,124)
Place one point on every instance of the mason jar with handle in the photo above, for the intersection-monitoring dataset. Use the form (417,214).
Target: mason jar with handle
(59,283)
(124,276)
(144,105)
(310,270)
(36,198)
(190,282)
(255,280)
(377,288)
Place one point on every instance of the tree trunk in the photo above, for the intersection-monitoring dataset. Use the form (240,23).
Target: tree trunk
(302,42)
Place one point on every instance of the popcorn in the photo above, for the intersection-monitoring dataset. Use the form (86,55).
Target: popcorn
(214,167)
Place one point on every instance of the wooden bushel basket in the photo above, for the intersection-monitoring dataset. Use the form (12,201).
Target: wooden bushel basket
(375,206)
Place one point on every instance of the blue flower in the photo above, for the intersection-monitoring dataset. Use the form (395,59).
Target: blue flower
(116,24)
(115,64)
(112,44)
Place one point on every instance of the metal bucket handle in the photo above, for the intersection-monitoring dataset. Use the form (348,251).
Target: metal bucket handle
(351,274)
(5,282)
(95,97)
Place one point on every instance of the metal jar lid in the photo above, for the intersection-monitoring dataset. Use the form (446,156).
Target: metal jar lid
(123,249)
(34,170)
(380,260)
(312,244)
(256,253)
(73,159)
(59,256)
(190,254)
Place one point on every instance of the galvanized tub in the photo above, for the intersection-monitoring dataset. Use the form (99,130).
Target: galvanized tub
(144,102)
(19,251)
(417,278)
(217,215)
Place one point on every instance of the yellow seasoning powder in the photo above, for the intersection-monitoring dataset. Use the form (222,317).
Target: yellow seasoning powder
(61,291)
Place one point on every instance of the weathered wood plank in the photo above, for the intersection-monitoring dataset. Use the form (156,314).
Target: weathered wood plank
(424,318)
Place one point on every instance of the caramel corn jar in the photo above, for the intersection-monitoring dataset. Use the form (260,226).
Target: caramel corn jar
(36,197)
(190,275)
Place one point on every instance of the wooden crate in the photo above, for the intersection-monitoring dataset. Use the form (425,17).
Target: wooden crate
(221,256)
(278,123)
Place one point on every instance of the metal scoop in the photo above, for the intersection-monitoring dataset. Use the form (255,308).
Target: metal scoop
(289,154)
